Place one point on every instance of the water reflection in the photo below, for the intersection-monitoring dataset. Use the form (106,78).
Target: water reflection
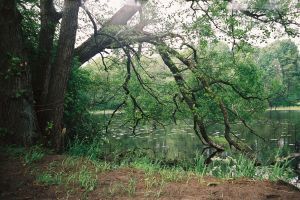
(279,128)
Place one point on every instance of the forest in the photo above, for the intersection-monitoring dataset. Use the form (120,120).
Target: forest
(148,99)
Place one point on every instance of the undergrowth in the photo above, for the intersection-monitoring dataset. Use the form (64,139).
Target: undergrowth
(82,165)
(29,155)
(235,166)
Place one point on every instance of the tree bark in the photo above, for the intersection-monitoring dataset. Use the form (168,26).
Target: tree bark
(42,66)
(111,40)
(17,116)
(60,72)
(97,43)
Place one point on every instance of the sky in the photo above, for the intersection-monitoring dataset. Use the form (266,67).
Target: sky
(166,8)
(120,3)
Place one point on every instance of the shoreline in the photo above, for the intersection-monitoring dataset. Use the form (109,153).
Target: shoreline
(284,108)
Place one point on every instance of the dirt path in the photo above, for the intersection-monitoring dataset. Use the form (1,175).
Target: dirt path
(17,181)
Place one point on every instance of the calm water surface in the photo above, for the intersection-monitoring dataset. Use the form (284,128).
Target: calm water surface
(280,129)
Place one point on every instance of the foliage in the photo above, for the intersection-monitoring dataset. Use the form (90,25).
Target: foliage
(13,151)
(49,179)
(71,171)
(86,179)
(230,167)
(94,150)
(34,154)
(82,172)
(29,10)
(242,77)
(241,69)
(28,155)
(200,166)
(79,122)
(282,62)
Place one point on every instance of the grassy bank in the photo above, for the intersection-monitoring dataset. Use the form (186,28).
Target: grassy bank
(83,166)
(133,176)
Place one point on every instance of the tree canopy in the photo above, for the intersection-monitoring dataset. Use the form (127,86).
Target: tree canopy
(206,50)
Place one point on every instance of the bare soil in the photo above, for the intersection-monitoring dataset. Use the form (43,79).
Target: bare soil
(17,181)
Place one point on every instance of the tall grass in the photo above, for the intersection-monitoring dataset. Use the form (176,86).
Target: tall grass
(235,166)
(92,150)
(244,167)
(146,164)
(34,154)
(83,167)
(81,153)
(200,168)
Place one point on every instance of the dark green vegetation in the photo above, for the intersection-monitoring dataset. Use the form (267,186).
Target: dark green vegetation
(132,72)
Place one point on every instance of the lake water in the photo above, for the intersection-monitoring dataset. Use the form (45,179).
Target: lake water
(280,129)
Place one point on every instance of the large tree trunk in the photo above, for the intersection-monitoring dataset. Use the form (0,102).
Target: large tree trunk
(41,69)
(17,116)
(50,79)
(60,72)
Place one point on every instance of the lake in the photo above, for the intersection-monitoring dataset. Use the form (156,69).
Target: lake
(279,128)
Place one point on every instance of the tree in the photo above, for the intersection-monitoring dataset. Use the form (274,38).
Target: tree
(39,105)
(17,116)
(232,22)
(20,121)
(281,60)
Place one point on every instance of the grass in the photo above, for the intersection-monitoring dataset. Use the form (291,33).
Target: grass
(225,168)
(281,170)
(128,189)
(131,186)
(72,172)
(114,189)
(31,155)
(158,192)
(173,175)
(82,171)
(102,166)
(47,178)
(232,168)
(79,148)
(34,154)
(151,181)
(154,185)
(13,151)
(244,167)
(200,168)
(145,164)
(87,179)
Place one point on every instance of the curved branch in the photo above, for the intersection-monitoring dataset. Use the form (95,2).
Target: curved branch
(227,127)
(187,96)
(89,48)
